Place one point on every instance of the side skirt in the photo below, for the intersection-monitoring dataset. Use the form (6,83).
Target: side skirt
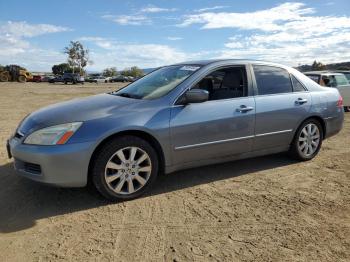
(206,162)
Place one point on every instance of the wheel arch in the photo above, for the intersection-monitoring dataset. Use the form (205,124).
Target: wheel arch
(138,133)
(319,119)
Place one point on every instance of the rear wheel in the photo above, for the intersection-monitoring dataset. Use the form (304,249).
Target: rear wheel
(307,141)
(125,168)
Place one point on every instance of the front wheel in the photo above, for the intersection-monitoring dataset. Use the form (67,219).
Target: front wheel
(347,108)
(125,168)
(307,141)
(22,79)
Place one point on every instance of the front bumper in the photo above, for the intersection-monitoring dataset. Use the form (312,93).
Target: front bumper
(61,165)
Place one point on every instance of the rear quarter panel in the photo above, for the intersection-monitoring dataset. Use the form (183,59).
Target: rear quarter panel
(325,105)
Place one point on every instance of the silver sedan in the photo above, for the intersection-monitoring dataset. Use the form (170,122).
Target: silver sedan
(179,116)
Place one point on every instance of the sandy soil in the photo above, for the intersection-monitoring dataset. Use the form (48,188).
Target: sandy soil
(263,209)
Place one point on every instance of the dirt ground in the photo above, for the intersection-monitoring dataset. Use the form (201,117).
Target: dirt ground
(263,209)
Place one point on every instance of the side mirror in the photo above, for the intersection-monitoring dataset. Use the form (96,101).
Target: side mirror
(194,96)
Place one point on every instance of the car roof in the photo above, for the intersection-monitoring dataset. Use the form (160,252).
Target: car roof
(231,61)
(322,73)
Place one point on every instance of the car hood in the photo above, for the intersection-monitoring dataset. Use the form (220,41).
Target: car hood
(78,110)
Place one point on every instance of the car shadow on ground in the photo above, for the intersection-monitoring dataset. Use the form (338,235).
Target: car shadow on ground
(23,202)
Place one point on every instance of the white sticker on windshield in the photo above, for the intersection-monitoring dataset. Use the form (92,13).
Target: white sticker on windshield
(189,68)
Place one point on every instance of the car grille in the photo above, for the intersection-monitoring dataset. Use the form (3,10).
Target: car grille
(32,168)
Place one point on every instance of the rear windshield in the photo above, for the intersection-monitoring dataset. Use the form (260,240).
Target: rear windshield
(158,83)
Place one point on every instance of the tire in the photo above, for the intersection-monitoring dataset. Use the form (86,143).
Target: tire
(3,78)
(300,147)
(65,82)
(347,108)
(108,165)
(22,79)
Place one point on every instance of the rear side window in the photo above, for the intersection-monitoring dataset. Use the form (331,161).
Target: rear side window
(297,86)
(272,80)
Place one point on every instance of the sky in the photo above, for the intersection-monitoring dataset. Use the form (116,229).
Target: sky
(149,33)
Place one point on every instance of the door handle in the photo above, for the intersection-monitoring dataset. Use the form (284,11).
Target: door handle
(301,101)
(244,109)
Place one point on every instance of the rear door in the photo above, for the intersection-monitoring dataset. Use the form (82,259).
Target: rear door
(280,106)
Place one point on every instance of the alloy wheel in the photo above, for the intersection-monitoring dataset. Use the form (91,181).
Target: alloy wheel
(128,170)
(309,139)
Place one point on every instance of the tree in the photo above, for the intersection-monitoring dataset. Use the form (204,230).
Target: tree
(133,71)
(317,66)
(136,72)
(109,72)
(61,69)
(77,55)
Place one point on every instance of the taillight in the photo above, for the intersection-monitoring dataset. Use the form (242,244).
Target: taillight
(340,102)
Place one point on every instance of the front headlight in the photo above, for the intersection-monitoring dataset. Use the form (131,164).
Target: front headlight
(53,135)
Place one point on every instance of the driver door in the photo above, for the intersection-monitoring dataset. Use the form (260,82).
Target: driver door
(222,126)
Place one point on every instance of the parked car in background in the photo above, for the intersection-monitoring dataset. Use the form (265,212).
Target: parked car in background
(346,73)
(336,80)
(179,116)
(37,78)
(57,79)
(47,78)
(72,78)
(120,78)
(90,79)
(100,79)
(130,78)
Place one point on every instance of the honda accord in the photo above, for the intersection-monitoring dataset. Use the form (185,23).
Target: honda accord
(176,117)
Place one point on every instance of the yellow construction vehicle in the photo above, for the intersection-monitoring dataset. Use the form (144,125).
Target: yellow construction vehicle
(15,73)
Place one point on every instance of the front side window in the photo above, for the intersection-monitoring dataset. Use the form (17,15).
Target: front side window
(158,83)
(272,80)
(225,83)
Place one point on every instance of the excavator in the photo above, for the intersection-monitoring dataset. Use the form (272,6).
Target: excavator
(15,73)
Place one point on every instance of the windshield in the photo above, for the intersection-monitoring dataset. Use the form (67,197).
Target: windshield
(158,83)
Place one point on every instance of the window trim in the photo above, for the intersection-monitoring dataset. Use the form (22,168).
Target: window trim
(291,79)
(248,78)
